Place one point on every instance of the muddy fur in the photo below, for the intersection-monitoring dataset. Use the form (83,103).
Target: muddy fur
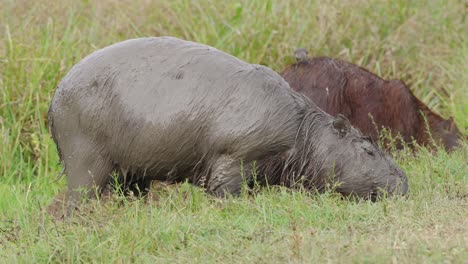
(370,102)
(168,109)
(321,154)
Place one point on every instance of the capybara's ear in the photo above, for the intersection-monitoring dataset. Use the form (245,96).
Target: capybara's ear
(342,125)
(448,124)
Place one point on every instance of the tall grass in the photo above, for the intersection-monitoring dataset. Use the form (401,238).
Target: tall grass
(421,42)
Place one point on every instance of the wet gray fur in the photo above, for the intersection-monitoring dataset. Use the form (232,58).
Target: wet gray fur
(167,109)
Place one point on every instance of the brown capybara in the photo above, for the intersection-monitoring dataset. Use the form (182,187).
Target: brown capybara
(370,102)
(168,109)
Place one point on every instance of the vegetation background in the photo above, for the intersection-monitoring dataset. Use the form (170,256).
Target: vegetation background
(421,42)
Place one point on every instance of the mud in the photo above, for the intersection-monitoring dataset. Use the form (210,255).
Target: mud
(172,110)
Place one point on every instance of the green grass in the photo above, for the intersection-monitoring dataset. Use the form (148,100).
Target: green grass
(421,42)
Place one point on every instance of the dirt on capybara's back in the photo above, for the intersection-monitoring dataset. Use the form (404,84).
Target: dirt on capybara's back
(370,102)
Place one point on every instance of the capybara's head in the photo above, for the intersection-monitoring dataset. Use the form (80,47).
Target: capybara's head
(447,133)
(355,163)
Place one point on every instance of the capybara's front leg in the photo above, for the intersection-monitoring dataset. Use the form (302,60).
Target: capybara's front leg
(227,175)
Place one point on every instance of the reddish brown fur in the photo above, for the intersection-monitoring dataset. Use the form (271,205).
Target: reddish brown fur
(339,87)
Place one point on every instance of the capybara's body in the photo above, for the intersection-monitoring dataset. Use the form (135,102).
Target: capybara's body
(369,102)
(168,109)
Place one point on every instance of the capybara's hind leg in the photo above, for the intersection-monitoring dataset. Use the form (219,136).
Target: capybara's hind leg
(227,175)
(88,170)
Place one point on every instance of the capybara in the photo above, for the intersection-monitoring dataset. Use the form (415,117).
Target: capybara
(370,102)
(168,109)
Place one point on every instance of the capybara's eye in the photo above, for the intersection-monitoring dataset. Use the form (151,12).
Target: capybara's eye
(367,138)
(368,151)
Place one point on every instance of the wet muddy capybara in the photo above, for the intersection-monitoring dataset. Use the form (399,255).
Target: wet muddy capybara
(167,109)
(370,102)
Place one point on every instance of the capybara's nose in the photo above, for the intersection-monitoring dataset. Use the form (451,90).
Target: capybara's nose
(401,185)
(404,187)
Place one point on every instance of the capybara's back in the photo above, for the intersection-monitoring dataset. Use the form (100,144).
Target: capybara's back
(368,101)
